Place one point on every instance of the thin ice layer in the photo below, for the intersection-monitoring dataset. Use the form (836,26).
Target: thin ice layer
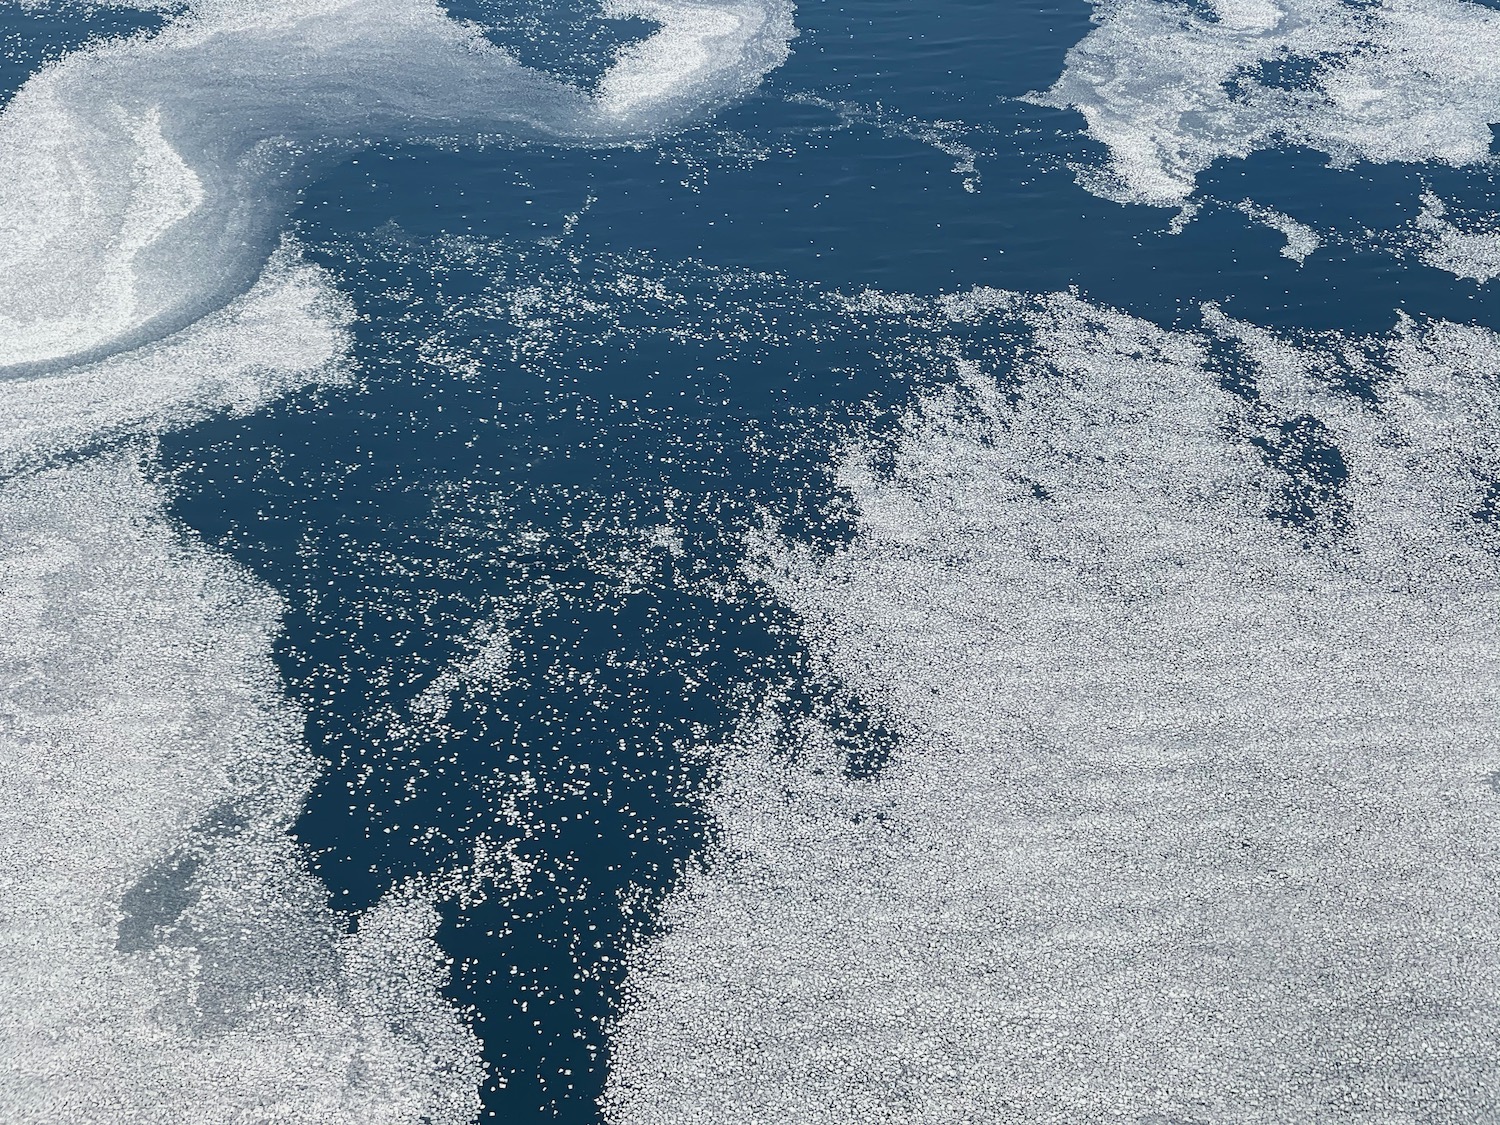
(1197,820)
(167,955)
(1170,87)
(144,181)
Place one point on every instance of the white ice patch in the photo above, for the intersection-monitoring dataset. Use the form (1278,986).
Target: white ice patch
(289,330)
(1464,248)
(705,53)
(1195,822)
(167,955)
(1301,239)
(143,181)
(1171,88)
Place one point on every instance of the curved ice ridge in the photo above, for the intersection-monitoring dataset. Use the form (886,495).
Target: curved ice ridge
(144,181)
(291,329)
(1170,88)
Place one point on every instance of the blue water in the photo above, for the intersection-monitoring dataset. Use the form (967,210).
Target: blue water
(397,514)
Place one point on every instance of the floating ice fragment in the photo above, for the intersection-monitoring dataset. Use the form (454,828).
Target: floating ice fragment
(1301,239)
(1464,249)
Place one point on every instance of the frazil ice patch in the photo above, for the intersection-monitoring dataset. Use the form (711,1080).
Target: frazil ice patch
(1170,88)
(290,330)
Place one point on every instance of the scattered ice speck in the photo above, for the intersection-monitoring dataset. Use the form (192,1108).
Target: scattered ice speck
(484,667)
(1172,88)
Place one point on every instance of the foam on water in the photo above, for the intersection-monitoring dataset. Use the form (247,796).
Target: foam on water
(1170,88)
(144,181)
(1193,638)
